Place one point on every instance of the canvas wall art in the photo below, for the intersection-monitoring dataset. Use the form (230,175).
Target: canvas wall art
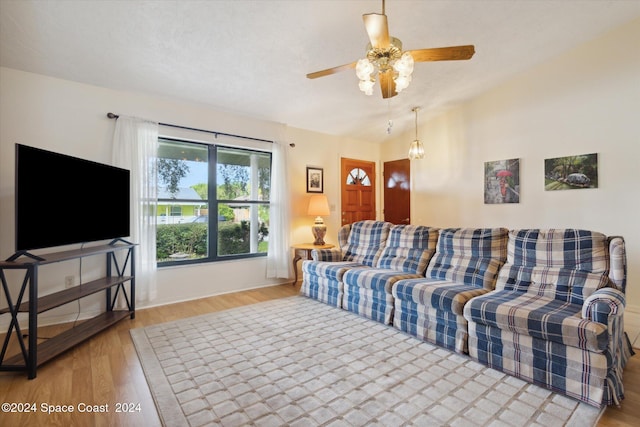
(571,172)
(502,181)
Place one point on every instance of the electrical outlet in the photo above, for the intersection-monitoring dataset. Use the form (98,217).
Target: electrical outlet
(69,281)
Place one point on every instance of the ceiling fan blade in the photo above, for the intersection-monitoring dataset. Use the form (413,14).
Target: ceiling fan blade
(330,71)
(387,84)
(377,29)
(452,53)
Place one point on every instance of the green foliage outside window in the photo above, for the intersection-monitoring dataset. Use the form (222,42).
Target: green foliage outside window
(188,239)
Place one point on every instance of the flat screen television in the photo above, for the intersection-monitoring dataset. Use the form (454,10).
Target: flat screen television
(62,200)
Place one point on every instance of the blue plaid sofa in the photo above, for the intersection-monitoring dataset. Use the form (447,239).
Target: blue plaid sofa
(465,265)
(406,253)
(360,245)
(546,306)
(556,316)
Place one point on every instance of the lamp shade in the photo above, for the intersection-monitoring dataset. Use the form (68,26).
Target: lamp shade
(318,206)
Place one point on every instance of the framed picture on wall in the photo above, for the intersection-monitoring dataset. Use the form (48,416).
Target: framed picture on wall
(315,180)
(502,181)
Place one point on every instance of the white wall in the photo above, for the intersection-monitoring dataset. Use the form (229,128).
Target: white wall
(585,101)
(70,118)
(316,149)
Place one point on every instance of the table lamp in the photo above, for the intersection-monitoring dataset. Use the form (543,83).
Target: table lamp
(318,207)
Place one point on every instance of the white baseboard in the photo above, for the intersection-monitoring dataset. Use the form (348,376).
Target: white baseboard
(632,325)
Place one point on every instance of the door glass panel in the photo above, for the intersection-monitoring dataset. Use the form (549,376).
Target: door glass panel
(358,176)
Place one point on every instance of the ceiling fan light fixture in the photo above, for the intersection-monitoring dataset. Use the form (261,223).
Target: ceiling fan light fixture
(416,149)
(404,68)
(366,86)
(364,70)
(402,82)
(382,61)
(404,65)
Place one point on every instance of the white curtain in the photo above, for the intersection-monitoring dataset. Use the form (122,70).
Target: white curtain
(278,260)
(135,147)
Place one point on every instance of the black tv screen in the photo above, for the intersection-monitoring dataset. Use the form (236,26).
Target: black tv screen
(61,200)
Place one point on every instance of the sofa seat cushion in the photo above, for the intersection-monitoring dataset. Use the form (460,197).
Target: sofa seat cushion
(539,317)
(439,294)
(375,279)
(556,283)
(327,269)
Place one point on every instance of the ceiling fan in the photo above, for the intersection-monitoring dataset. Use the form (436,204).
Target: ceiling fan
(386,59)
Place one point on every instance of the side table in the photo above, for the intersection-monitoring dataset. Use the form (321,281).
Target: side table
(303,251)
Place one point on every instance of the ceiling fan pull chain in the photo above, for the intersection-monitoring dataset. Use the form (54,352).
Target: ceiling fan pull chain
(389,122)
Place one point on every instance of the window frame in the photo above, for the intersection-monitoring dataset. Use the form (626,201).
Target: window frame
(212,202)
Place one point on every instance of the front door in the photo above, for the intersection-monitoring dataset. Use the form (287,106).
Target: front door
(397,191)
(358,186)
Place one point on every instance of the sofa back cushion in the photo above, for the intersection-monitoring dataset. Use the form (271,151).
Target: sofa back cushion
(408,248)
(472,256)
(563,264)
(343,237)
(365,242)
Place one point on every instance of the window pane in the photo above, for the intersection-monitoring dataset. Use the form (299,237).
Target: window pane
(243,181)
(243,228)
(243,175)
(182,201)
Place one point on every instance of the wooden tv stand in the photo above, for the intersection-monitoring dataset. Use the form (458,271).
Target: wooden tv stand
(33,354)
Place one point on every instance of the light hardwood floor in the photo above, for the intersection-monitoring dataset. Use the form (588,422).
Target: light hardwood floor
(105,371)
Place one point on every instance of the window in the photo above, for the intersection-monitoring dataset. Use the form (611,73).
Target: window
(213,202)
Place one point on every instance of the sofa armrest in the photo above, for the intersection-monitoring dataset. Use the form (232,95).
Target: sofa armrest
(618,257)
(326,255)
(603,303)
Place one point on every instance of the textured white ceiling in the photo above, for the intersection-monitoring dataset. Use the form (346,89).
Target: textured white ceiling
(251,57)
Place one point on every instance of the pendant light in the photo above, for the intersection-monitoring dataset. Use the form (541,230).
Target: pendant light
(416,149)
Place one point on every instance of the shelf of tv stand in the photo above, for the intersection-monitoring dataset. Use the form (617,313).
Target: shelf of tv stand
(47,302)
(71,337)
(34,354)
(53,257)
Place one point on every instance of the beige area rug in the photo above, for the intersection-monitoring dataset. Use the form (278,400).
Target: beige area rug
(299,362)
